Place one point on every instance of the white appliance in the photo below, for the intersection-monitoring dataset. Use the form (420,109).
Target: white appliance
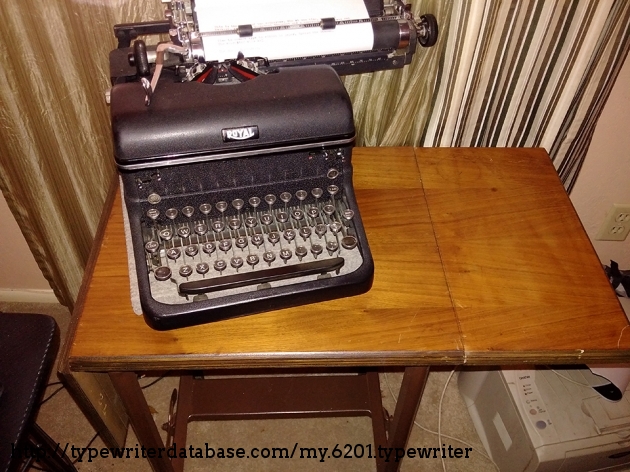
(536,420)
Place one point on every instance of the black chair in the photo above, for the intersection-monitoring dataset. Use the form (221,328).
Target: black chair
(28,347)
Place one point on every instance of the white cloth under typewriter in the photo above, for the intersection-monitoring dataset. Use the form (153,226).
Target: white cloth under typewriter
(293,39)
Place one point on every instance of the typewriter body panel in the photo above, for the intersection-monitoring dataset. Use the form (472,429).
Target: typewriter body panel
(239,197)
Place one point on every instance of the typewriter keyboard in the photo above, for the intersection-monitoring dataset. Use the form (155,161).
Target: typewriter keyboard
(219,248)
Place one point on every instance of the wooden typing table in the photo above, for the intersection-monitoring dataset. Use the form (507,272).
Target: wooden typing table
(480,259)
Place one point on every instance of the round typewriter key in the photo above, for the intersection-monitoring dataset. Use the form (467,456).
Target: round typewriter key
(171,213)
(289,234)
(305,232)
(183,231)
(335,227)
(162,273)
(332,246)
(201,229)
(332,174)
(282,216)
(151,247)
(250,222)
(241,242)
(238,204)
(333,190)
(252,260)
(254,201)
(234,223)
(185,271)
(236,262)
(173,253)
(266,219)
(188,211)
(257,240)
(205,208)
(320,230)
(269,257)
(273,237)
(154,199)
(349,242)
(208,248)
(317,192)
(203,268)
(220,265)
(317,249)
(313,212)
(166,234)
(225,245)
(218,226)
(347,214)
(270,199)
(221,206)
(301,252)
(153,213)
(297,214)
(301,195)
(192,250)
(285,254)
(285,197)
(329,209)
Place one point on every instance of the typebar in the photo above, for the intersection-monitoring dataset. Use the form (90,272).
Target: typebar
(261,276)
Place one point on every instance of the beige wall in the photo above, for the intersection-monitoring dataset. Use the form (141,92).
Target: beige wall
(604,180)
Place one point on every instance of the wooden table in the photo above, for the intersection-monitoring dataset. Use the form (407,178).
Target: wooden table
(480,259)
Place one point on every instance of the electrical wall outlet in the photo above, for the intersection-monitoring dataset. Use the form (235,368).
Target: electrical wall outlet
(616,226)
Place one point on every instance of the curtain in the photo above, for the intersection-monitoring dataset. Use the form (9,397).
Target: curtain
(503,73)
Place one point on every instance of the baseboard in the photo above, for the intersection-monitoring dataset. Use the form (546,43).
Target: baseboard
(27,296)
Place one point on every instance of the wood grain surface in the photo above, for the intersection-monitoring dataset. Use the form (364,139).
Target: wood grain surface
(479,258)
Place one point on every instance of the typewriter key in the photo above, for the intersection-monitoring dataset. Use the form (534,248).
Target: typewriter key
(285,254)
(154,199)
(313,212)
(257,240)
(185,271)
(162,273)
(250,222)
(254,201)
(266,219)
(183,231)
(349,242)
(252,260)
(203,268)
(301,252)
(282,216)
(201,229)
(347,214)
(329,209)
(218,226)
(317,249)
(273,237)
(335,227)
(238,204)
(225,245)
(221,206)
(151,247)
(270,199)
(220,265)
(332,174)
(241,242)
(285,197)
(301,195)
(234,223)
(333,190)
(208,248)
(153,213)
(269,257)
(305,232)
(317,192)
(332,246)
(289,234)
(188,211)
(171,213)
(236,262)
(205,208)
(192,250)
(297,214)
(320,230)
(166,234)
(173,253)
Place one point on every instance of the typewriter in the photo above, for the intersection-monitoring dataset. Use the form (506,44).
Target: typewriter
(237,173)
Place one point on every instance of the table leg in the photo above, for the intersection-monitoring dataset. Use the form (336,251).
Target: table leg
(127,386)
(414,380)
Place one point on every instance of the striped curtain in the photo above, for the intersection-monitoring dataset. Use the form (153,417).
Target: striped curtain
(503,73)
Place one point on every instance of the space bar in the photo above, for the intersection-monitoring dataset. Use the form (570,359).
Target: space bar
(261,276)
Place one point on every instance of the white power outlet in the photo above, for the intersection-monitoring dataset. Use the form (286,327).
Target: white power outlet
(616,226)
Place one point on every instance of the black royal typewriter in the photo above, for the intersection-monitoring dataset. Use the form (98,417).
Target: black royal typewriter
(239,197)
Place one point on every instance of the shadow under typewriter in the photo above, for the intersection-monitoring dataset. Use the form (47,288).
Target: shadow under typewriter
(240,197)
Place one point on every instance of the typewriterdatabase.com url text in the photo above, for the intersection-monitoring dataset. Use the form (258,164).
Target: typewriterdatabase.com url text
(321,454)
